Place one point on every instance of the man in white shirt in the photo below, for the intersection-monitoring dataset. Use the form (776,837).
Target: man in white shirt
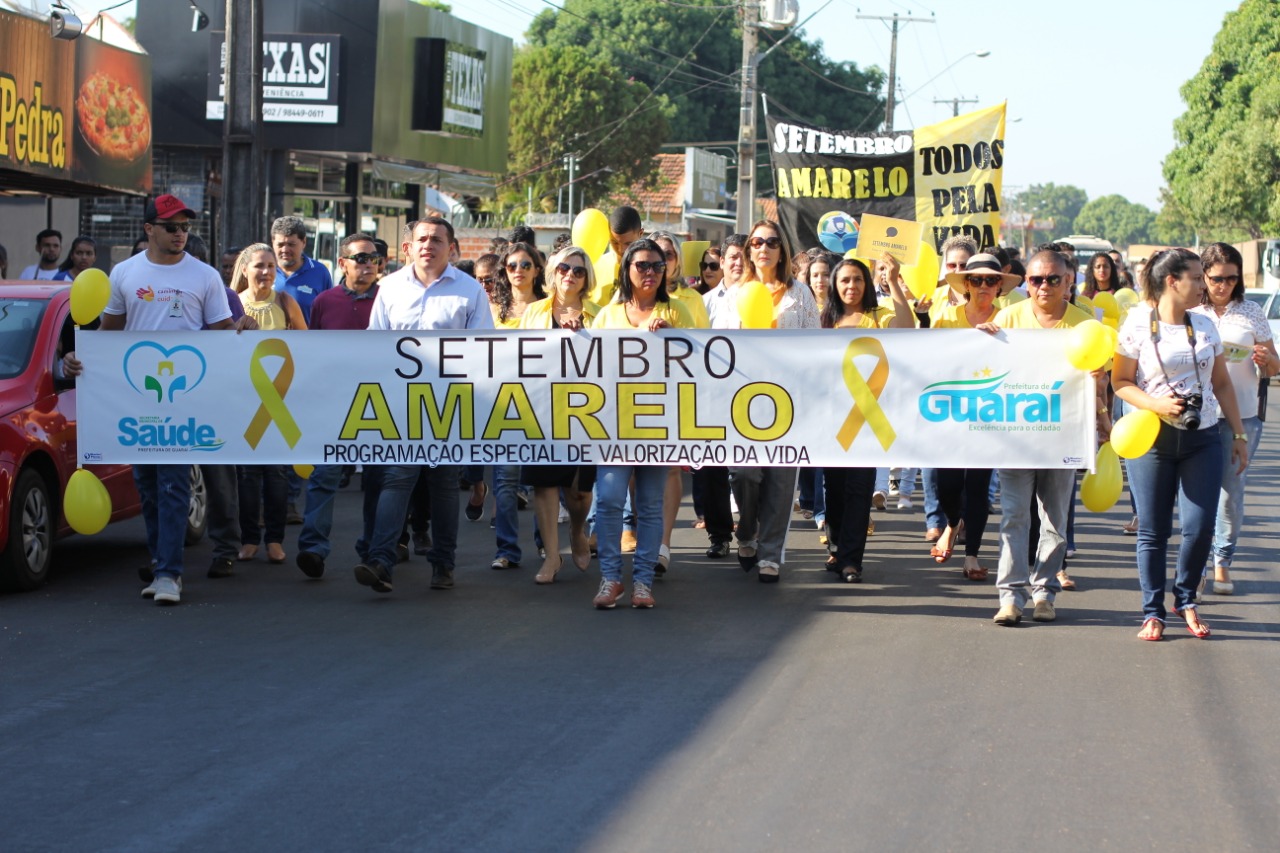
(428,293)
(49,245)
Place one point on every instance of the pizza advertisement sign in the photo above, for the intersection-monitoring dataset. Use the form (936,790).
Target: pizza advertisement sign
(299,78)
(112,145)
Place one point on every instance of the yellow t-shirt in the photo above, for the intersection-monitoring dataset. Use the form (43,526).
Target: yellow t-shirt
(606,270)
(955,317)
(1022,316)
(538,315)
(942,301)
(509,323)
(692,301)
(1013,297)
(614,316)
(877,318)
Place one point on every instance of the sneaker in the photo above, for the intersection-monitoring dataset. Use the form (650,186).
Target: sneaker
(421,543)
(292,516)
(879,499)
(642,596)
(894,486)
(166,589)
(905,502)
(221,567)
(150,591)
(607,597)
(1044,612)
(502,563)
(629,542)
(311,563)
(402,552)
(1071,552)
(522,499)
(718,551)
(373,576)
(475,511)
(664,561)
(563,516)
(441,577)
(1008,615)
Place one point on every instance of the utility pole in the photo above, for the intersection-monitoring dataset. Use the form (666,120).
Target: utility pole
(955,103)
(242,156)
(893,58)
(747,120)
(571,163)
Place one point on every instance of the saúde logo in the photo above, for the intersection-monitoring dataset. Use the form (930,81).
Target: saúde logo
(162,375)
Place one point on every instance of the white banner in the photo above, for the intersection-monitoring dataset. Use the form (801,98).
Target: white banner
(937,398)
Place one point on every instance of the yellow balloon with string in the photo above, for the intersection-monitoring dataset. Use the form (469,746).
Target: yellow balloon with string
(755,306)
(86,503)
(89,295)
(1100,490)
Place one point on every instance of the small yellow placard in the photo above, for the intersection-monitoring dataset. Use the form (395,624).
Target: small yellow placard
(691,253)
(880,234)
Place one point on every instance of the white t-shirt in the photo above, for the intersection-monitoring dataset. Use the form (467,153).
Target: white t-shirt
(1175,353)
(1241,326)
(155,297)
(34,273)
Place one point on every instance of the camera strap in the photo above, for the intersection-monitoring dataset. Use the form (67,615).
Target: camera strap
(1191,342)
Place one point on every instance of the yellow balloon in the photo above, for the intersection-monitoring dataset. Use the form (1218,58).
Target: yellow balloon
(591,232)
(86,503)
(1126,298)
(1108,303)
(89,294)
(304,471)
(1089,346)
(1101,489)
(1135,433)
(921,278)
(755,306)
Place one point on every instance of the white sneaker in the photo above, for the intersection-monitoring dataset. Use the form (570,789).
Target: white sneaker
(563,516)
(905,502)
(165,590)
(879,499)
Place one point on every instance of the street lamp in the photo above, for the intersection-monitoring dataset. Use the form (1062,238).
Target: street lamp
(981,54)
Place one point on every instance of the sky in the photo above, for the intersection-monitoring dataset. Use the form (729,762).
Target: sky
(1092,86)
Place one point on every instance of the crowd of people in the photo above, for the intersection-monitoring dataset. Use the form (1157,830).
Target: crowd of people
(1191,349)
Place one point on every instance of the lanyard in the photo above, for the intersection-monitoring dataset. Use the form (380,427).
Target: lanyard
(1191,341)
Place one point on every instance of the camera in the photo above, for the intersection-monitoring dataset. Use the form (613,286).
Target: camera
(1190,417)
(63,24)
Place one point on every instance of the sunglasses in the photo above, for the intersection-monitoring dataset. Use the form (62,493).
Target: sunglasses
(650,266)
(710,265)
(565,269)
(512,266)
(1224,279)
(1044,280)
(486,280)
(983,280)
(363,257)
(174,227)
(771,242)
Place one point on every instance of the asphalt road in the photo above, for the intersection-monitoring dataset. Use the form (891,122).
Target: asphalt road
(269,712)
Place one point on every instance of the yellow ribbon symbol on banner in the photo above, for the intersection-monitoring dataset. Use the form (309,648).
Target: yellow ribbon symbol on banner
(866,393)
(271,392)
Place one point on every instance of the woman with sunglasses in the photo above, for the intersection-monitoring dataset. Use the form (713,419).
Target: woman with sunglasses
(764,494)
(963,492)
(709,272)
(1170,360)
(568,308)
(264,489)
(1251,356)
(641,303)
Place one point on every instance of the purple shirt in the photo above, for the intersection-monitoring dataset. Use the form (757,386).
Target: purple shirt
(341,308)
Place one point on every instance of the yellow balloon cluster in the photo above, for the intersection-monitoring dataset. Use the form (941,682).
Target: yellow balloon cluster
(921,278)
(1100,490)
(89,294)
(86,503)
(1089,346)
(591,232)
(1135,433)
(755,306)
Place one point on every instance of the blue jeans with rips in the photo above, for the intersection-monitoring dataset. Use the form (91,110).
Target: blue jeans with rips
(165,491)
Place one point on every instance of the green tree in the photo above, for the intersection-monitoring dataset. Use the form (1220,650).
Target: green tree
(1052,203)
(1225,170)
(1117,219)
(568,99)
(1173,227)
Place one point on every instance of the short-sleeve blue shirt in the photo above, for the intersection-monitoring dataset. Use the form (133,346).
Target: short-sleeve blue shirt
(311,279)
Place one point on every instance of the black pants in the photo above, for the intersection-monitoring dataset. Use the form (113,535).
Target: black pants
(964,493)
(848,492)
(715,503)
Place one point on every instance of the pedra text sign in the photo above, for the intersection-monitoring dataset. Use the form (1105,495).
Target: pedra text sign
(841,397)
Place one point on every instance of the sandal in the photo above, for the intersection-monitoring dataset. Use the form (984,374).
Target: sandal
(807,514)
(247,553)
(975,573)
(1152,632)
(940,555)
(1130,529)
(831,563)
(700,524)
(1199,630)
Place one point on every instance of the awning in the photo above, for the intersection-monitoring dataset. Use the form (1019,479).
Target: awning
(446,180)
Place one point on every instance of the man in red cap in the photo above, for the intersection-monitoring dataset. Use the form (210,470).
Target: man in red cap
(163,289)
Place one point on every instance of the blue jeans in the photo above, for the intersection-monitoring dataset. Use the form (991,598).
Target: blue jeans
(506,479)
(317,519)
(264,491)
(1231,496)
(1186,464)
(165,491)
(611,494)
(387,491)
(934,517)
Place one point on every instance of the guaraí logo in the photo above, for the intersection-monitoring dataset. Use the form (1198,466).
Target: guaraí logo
(163,375)
(990,400)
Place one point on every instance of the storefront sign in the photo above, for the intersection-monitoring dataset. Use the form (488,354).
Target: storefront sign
(840,397)
(299,78)
(450,88)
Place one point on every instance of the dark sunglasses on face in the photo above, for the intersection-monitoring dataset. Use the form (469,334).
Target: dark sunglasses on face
(486,280)
(512,266)
(710,265)
(363,257)
(174,227)
(565,269)
(1224,279)
(771,242)
(1044,280)
(650,266)
(983,280)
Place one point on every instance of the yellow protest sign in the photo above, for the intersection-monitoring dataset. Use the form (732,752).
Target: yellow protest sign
(880,234)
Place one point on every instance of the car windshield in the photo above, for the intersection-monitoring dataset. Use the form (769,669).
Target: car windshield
(19,322)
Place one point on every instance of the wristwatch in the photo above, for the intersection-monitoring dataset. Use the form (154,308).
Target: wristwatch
(1239,436)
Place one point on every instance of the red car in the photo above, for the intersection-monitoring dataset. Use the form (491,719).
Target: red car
(38,436)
